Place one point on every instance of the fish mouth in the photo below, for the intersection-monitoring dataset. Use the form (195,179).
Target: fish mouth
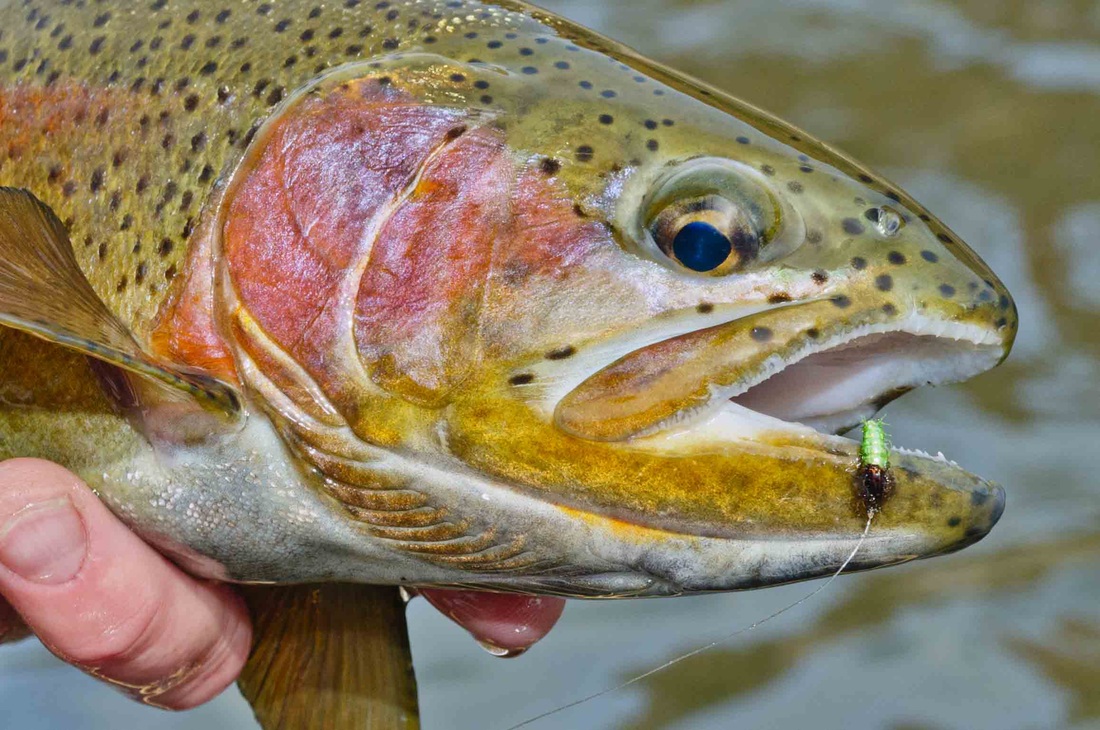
(739,421)
(686,452)
(781,369)
(842,383)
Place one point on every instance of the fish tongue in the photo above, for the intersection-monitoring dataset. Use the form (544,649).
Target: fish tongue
(505,624)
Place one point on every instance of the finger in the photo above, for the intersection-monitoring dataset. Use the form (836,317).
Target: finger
(12,627)
(506,624)
(100,598)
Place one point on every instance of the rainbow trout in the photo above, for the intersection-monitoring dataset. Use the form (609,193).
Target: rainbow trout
(460,294)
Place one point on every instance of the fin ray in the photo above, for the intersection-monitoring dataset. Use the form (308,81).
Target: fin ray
(333,656)
(44,293)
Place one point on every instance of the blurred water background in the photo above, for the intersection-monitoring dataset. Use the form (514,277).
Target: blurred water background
(989,113)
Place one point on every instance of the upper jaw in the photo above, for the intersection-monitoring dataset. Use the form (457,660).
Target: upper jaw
(796,363)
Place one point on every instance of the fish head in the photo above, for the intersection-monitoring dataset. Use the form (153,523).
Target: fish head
(595,325)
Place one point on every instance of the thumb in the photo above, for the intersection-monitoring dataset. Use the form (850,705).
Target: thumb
(100,598)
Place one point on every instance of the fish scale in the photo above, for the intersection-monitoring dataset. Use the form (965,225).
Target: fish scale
(124,121)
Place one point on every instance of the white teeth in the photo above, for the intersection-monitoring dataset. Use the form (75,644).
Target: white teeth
(939,457)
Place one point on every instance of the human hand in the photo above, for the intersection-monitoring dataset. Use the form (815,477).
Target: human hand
(104,601)
(101,599)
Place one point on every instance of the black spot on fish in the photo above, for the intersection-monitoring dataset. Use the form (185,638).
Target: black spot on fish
(851,226)
(819,277)
(779,298)
(947,290)
(761,334)
(704,308)
(929,256)
(896,257)
(550,166)
(842,301)
(884,282)
(561,353)
(521,379)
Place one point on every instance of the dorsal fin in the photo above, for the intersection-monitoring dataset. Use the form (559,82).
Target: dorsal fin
(43,292)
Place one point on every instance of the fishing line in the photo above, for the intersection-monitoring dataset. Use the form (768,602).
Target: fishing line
(711,645)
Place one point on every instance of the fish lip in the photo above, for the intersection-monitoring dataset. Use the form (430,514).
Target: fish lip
(985,341)
(996,509)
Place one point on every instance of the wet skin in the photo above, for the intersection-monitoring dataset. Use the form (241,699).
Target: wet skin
(443,264)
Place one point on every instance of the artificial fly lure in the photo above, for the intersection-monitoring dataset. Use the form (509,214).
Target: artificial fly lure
(874,482)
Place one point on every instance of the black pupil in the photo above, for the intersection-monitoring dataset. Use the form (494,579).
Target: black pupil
(701,247)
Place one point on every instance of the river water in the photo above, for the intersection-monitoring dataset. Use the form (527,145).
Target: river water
(989,113)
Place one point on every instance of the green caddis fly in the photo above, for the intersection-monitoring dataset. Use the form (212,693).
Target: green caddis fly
(874,482)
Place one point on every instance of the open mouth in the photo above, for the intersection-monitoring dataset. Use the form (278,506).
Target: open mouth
(835,388)
(780,368)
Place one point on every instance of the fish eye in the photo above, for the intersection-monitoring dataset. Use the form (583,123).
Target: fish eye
(701,247)
(707,234)
(713,216)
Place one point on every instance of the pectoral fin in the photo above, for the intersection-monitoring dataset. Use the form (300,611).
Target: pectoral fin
(43,292)
(332,656)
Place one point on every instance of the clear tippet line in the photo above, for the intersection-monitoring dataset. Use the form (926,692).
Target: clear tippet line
(711,645)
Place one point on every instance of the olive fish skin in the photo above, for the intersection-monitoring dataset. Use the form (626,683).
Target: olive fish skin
(506,304)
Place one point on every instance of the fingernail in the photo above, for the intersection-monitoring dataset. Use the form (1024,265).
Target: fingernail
(44,542)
